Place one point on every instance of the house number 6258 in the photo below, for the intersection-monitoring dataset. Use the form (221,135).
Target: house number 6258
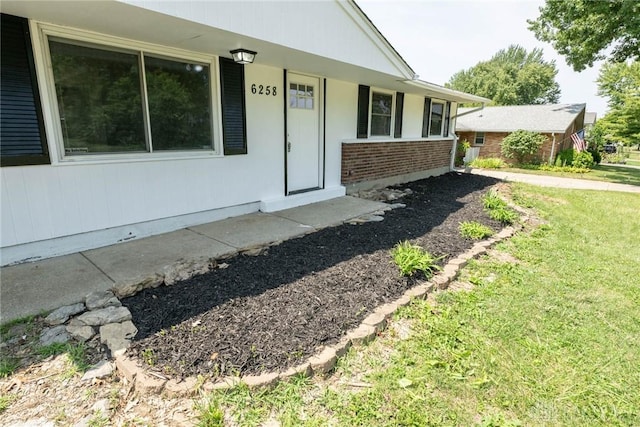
(263,90)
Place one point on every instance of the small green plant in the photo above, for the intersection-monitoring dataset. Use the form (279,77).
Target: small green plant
(498,209)
(503,215)
(491,200)
(5,401)
(474,230)
(488,163)
(78,356)
(7,366)
(149,357)
(211,415)
(52,349)
(411,258)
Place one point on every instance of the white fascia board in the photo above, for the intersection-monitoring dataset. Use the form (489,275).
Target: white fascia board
(363,21)
(432,89)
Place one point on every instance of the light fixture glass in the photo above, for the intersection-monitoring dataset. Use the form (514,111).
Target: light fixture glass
(243,56)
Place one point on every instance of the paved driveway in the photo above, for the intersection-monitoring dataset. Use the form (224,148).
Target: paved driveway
(558,182)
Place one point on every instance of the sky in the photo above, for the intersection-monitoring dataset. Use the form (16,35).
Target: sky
(438,38)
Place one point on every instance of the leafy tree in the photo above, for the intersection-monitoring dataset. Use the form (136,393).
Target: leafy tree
(619,80)
(521,145)
(512,76)
(584,30)
(620,83)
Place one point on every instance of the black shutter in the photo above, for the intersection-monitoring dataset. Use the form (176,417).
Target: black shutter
(363,111)
(234,119)
(397,129)
(426,117)
(447,119)
(22,136)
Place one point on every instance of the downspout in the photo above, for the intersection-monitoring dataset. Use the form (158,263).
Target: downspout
(452,163)
(553,147)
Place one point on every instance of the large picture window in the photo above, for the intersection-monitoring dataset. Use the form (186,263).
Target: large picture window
(114,100)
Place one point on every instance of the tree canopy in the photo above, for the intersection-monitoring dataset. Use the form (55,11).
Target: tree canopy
(512,76)
(585,31)
(620,83)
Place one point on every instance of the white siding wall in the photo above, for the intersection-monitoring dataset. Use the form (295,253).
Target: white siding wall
(342,110)
(302,26)
(44,202)
(412,116)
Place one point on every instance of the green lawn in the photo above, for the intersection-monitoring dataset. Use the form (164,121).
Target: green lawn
(600,172)
(549,335)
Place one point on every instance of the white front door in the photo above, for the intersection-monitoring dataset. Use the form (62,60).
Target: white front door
(303,133)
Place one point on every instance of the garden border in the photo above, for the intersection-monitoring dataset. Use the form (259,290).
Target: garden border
(147,382)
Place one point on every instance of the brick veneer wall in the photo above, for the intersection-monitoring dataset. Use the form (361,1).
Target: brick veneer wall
(367,161)
(493,141)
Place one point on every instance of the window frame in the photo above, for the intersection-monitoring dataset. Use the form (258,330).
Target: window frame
(91,39)
(475,138)
(373,90)
(442,120)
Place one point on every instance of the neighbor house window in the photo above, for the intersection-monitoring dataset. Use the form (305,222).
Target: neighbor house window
(119,100)
(381,113)
(479,140)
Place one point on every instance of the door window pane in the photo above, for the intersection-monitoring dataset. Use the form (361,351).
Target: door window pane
(437,110)
(179,104)
(301,96)
(381,114)
(99,99)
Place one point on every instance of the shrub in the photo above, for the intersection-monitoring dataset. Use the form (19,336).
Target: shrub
(597,157)
(521,145)
(570,169)
(565,157)
(577,159)
(411,258)
(474,230)
(488,163)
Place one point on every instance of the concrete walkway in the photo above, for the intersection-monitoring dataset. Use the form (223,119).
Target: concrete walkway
(557,182)
(35,287)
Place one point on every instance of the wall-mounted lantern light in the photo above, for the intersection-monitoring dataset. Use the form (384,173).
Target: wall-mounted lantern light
(243,56)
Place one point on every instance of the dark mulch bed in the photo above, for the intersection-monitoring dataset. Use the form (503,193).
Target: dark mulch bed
(271,312)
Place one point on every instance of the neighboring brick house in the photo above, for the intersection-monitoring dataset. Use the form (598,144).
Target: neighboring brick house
(487,128)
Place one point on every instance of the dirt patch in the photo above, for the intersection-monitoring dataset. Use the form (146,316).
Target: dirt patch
(272,311)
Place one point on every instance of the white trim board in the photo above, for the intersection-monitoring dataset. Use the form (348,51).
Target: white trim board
(95,239)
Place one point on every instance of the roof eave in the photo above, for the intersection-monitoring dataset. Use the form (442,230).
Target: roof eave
(448,94)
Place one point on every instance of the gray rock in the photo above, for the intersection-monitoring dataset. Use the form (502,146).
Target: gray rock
(126,289)
(81,332)
(117,336)
(100,370)
(104,316)
(184,270)
(57,334)
(397,205)
(62,314)
(101,299)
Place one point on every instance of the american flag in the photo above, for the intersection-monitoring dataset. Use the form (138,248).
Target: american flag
(578,141)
